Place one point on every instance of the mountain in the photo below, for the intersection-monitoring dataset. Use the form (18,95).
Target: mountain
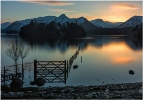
(5,25)
(88,26)
(132,22)
(115,24)
(62,19)
(101,23)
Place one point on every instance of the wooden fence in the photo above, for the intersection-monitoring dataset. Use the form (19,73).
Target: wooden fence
(8,72)
(53,71)
(71,60)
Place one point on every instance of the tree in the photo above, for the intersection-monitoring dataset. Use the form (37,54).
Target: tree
(23,52)
(13,52)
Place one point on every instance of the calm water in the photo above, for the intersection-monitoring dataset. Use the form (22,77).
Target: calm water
(105,59)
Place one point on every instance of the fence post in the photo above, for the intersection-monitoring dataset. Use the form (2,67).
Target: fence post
(22,71)
(35,70)
(81,59)
(65,72)
(67,68)
(16,69)
(4,76)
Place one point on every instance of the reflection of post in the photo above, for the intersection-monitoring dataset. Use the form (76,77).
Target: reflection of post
(35,70)
(65,72)
(81,59)
(22,72)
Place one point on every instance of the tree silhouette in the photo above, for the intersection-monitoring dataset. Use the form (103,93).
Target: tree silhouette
(13,52)
(23,52)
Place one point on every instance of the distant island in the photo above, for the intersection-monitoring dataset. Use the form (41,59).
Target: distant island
(62,26)
(53,30)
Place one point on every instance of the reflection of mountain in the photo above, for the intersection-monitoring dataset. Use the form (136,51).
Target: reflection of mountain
(61,45)
(135,43)
(98,42)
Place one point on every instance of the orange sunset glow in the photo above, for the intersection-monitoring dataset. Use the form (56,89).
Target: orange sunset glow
(113,11)
(115,52)
(122,59)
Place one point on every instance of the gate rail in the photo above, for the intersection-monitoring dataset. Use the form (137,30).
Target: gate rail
(51,71)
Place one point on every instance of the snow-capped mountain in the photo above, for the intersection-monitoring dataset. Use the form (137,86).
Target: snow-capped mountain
(88,26)
(101,23)
(115,24)
(132,22)
(62,19)
(5,25)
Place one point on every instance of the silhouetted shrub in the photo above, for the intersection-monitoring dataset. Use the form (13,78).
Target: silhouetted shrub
(16,83)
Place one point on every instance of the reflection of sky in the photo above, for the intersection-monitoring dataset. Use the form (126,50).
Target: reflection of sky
(116,53)
(110,63)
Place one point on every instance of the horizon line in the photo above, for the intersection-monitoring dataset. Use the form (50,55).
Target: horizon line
(70,18)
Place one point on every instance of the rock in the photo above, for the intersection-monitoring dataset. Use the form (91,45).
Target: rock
(40,81)
(32,83)
(131,72)
(16,83)
(75,66)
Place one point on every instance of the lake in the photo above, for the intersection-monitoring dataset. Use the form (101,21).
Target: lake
(105,59)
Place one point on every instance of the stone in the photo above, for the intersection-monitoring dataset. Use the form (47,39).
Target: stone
(131,72)
(75,66)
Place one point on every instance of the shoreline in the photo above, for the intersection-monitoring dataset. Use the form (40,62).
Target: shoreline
(110,91)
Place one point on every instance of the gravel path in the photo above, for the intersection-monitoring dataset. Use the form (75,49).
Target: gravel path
(111,91)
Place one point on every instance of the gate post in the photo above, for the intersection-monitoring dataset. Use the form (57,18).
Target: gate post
(4,76)
(35,70)
(65,72)
(67,69)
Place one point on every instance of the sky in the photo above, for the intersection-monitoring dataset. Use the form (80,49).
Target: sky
(113,11)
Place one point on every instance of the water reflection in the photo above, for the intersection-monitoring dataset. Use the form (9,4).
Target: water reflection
(123,60)
(106,59)
(97,41)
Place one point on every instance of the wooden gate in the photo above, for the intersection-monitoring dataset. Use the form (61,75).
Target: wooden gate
(51,71)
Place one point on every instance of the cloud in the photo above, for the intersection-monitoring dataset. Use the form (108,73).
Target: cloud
(51,3)
(61,10)
(125,6)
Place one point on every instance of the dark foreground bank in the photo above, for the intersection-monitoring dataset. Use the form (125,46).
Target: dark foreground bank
(112,91)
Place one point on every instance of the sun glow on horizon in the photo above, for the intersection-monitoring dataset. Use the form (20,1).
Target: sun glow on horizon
(112,11)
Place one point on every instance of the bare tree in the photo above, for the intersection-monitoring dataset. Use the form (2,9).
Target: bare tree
(23,52)
(13,52)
